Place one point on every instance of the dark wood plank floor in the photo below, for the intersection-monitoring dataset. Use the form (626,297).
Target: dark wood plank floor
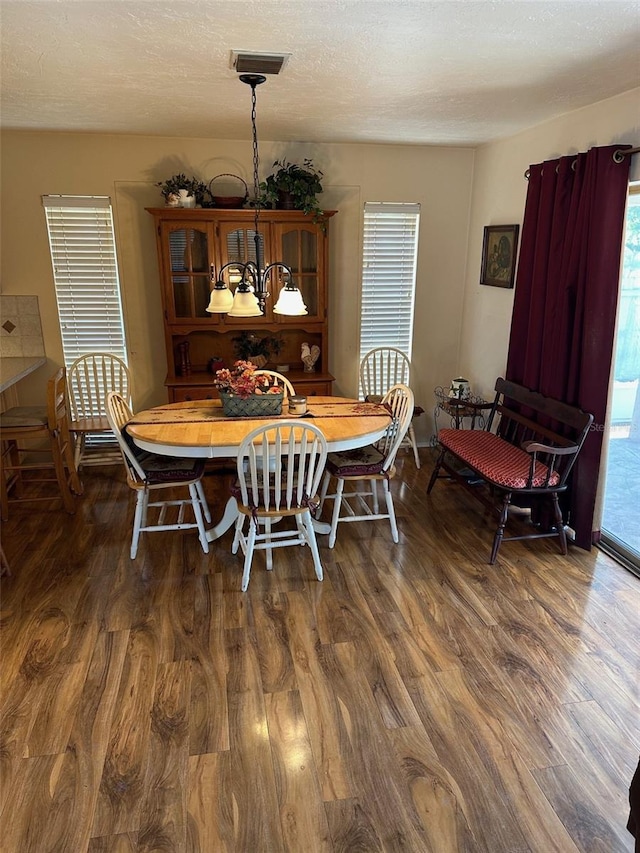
(417,699)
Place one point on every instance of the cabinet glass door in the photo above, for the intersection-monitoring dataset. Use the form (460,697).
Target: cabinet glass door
(237,243)
(188,260)
(299,246)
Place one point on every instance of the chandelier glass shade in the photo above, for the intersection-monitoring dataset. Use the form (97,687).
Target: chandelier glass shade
(290,302)
(251,292)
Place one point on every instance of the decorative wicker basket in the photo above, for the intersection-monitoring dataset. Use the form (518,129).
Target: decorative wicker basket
(228,201)
(254,406)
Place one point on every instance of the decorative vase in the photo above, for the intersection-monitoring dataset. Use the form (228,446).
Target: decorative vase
(186,200)
(285,201)
(258,360)
(460,388)
(253,406)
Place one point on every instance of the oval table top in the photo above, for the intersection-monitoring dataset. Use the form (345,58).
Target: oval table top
(199,428)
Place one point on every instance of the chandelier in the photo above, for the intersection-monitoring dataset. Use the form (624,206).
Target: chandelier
(251,291)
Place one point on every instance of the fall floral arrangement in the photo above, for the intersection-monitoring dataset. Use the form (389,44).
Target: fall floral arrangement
(241,380)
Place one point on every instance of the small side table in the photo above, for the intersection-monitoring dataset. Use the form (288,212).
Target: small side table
(459,410)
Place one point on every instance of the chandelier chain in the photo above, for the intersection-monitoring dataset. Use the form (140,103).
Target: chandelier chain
(256,164)
(249,299)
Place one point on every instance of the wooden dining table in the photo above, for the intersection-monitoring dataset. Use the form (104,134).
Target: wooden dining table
(200,429)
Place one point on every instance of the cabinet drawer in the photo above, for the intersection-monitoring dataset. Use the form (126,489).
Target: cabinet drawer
(314,389)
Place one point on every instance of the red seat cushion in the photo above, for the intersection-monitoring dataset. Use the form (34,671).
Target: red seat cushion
(497,460)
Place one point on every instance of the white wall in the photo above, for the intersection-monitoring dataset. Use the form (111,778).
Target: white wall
(126,168)
(498,198)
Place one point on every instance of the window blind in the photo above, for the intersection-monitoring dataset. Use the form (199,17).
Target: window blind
(390,252)
(85,272)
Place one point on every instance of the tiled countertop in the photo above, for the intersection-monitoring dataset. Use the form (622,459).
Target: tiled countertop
(12,370)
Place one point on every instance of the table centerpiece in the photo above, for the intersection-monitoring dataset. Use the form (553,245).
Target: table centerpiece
(246,393)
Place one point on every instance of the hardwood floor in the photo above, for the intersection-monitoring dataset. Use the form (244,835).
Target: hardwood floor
(417,699)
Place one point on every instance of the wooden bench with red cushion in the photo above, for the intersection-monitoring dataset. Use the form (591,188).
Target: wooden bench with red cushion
(528,447)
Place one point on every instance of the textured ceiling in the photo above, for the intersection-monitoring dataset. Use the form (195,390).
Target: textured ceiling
(408,71)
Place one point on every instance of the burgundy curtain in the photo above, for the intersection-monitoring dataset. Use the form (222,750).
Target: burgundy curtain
(564,310)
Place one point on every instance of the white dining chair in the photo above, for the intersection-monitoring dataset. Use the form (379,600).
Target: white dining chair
(380,369)
(366,467)
(151,472)
(89,380)
(278,379)
(280,466)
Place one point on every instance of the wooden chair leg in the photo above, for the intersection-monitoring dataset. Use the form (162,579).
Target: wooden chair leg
(414,444)
(196,503)
(497,539)
(337,502)
(4,501)
(5,568)
(557,514)
(323,493)
(79,439)
(268,550)
(203,501)
(436,471)
(311,539)
(61,474)
(391,510)
(374,495)
(67,451)
(12,452)
(248,557)
(4,495)
(237,536)
(138,520)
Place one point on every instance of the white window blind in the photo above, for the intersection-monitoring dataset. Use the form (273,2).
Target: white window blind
(390,252)
(85,272)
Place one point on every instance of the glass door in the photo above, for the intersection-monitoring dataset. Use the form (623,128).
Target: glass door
(301,247)
(237,243)
(621,512)
(187,258)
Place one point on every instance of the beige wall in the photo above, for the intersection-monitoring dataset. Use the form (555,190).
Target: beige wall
(126,168)
(498,198)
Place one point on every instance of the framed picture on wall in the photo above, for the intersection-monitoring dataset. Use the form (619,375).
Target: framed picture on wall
(499,255)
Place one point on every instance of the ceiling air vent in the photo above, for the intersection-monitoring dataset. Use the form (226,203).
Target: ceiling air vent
(253,62)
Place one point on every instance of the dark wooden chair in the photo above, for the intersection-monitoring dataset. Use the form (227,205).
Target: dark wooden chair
(527,449)
(30,431)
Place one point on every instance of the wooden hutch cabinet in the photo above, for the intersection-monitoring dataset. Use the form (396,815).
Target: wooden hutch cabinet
(189,242)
